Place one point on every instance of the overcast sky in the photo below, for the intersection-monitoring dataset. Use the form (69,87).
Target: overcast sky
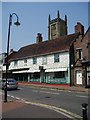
(34,19)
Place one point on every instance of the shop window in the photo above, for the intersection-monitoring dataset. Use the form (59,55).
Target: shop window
(59,74)
(36,75)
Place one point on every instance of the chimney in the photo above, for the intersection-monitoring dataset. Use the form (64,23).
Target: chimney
(11,51)
(39,38)
(79,28)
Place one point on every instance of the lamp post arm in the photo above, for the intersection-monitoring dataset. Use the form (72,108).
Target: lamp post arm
(15,15)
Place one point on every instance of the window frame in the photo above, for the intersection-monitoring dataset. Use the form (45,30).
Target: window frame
(79,53)
(56,58)
(34,60)
(16,63)
(44,59)
(25,60)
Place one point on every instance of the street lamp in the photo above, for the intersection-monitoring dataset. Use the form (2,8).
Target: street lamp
(10,23)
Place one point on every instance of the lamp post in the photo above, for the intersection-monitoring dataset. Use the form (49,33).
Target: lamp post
(10,23)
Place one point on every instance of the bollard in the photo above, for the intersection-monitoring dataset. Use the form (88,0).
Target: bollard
(84,111)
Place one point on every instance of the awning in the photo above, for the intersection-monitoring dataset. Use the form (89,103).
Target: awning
(47,70)
(33,71)
(23,71)
(26,71)
(56,70)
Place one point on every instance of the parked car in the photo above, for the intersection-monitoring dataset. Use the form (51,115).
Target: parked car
(11,84)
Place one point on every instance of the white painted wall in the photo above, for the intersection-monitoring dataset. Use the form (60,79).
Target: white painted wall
(64,62)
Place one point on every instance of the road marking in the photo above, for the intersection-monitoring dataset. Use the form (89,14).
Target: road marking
(49,107)
(45,92)
(20,88)
(12,96)
(34,90)
(55,89)
(17,98)
(57,109)
(69,91)
(82,96)
(49,92)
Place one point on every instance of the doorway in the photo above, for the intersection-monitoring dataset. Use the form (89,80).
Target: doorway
(78,77)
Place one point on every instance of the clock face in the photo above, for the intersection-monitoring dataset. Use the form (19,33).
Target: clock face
(53,30)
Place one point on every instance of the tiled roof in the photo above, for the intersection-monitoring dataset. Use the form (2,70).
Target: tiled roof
(46,47)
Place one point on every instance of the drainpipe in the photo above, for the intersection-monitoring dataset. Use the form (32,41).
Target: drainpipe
(70,65)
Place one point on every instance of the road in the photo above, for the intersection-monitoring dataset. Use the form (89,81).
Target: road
(67,100)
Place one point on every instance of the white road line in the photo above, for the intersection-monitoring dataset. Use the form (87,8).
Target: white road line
(20,88)
(17,98)
(12,96)
(34,90)
(82,96)
(45,92)
(57,109)
(49,92)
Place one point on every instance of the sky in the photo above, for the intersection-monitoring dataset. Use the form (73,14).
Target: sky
(33,17)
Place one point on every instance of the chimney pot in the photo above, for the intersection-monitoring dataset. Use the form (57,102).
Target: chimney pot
(11,50)
(39,38)
(79,28)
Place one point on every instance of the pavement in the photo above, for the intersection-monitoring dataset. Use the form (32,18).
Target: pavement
(57,86)
(16,109)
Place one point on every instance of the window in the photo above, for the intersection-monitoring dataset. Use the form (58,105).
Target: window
(59,74)
(15,63)
(36,75)
(1,62)
(79,53)
(56,57)
(34,60)
(89,47)
(44,60)
(25,60)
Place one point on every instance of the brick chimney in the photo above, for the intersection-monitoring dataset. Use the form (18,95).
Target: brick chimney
(79,28)
(39,38)
(11,51)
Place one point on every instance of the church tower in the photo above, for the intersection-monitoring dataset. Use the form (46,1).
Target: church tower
(57,27)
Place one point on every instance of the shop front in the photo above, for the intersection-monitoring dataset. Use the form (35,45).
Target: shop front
(49,76)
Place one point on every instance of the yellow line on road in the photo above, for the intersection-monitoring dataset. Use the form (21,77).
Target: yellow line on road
(57,109)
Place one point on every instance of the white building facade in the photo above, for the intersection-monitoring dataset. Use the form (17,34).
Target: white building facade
(46,68)
(44,62)
(2,61)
